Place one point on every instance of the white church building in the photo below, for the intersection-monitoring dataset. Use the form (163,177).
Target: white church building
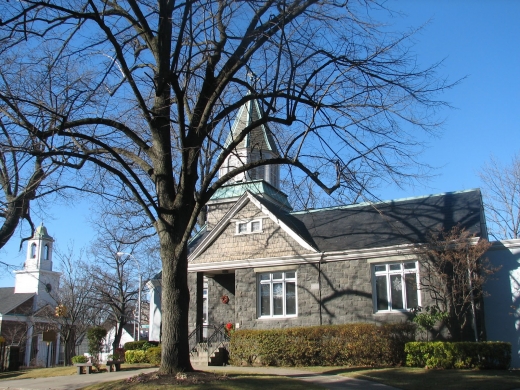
(25,309)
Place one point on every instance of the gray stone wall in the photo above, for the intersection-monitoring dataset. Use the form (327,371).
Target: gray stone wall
(343,294)
(192,314)
(273,241)
(216,212)
(344,290)
(220,313)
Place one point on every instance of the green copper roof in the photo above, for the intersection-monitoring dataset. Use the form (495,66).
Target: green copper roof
(41,232)
(257,187)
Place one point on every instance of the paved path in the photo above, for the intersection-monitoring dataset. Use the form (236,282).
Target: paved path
(69,381)
(332,382)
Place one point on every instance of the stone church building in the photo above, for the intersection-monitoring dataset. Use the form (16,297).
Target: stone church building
(258,264)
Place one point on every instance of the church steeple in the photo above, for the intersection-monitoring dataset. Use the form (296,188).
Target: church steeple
(39,250)
(257,145)
(37,275)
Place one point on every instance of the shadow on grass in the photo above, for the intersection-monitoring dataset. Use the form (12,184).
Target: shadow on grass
(422,379)
(239,382)
(11,374)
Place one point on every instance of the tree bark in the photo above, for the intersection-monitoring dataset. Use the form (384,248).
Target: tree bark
(175,306)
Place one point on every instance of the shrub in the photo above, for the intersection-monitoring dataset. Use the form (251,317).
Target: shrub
(483,355)
(333,345)
(95,338)
(427,317)
(142,345)
(135,356)
(79,359)
(153,355)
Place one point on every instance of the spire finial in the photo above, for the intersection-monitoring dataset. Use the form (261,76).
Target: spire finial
(252,76)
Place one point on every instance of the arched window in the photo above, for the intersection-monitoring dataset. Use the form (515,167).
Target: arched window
(46,252)
(33,250)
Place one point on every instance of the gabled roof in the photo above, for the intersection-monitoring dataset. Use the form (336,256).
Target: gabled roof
(10,301)
(236,190)
(395,222)
(376,225)
(260,138)
(200,243)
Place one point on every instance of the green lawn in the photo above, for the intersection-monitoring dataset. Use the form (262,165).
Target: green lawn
(402,378)
(408,378)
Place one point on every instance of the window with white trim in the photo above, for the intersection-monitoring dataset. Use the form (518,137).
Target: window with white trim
(277,294)
(395,286)
(246,227)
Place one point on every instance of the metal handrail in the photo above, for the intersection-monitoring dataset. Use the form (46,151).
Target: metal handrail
(219,338)
(212,342)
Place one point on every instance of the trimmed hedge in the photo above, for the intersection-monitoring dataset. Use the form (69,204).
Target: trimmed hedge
(483,355)
(135,356)
(79,359)
(332,345)
(142,345)
(153,355)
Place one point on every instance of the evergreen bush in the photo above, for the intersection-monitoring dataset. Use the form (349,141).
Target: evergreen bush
(463,355)
(79,359)
(135,356)
(332,345)
(95,338)
(153,355)
(142,345)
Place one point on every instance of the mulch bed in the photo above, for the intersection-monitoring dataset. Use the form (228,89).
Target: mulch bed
(182,378)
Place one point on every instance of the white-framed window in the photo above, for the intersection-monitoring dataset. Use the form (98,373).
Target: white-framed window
(277,294)
(247,227)
(46,252)
(33,250)
(395,286)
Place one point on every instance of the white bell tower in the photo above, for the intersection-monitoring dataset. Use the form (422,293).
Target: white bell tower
(37,275)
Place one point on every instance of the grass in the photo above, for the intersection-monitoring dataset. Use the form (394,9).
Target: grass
(405,378)
(408,378)
(57,371)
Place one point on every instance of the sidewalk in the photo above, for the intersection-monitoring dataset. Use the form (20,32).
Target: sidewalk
(69,381)
(331,382)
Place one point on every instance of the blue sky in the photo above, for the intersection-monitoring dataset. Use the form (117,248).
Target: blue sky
(479,40)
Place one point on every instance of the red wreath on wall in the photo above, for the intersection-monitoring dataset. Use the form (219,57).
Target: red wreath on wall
(224,299)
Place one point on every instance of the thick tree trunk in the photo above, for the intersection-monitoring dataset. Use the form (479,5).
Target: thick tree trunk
(117,336)
(69,342)
(175,304)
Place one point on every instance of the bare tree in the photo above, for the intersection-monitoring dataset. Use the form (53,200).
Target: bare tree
(115,276)
(25,173)
(74,312)
(156,85)
(502,197)
(20,176)
(453,273)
